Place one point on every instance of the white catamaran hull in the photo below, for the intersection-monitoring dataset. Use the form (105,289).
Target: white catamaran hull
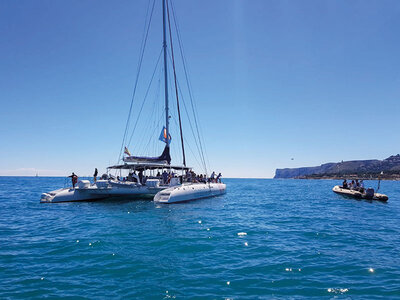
(188,192)
(102,189)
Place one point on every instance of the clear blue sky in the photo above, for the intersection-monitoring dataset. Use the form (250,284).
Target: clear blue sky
(317,81)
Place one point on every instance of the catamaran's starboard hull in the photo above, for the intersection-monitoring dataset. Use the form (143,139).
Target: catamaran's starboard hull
(356,194)
(189,192)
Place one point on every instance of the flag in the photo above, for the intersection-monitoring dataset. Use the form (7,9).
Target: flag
(126,151)
(163,136)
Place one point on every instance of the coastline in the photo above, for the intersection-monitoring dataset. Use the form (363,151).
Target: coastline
(394,177)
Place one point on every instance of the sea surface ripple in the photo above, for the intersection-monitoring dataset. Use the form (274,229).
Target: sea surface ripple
(279,239)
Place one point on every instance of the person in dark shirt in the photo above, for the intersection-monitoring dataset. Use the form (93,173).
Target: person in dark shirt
(141,177)
(218,179)
(165,177)
(344,184)
(95,174)
(74,179)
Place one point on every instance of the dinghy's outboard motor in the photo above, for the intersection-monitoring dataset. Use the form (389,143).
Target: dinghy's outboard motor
(369,194)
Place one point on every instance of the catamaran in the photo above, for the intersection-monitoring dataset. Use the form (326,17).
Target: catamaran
(150,177)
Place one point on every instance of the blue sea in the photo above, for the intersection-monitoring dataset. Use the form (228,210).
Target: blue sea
(264,239)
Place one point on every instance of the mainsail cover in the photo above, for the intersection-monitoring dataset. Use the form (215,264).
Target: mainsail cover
(165,157)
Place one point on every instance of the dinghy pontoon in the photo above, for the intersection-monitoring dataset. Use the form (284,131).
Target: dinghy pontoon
(367,194)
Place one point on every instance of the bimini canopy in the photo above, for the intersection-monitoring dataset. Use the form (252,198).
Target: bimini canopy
(147,166)
(164,158)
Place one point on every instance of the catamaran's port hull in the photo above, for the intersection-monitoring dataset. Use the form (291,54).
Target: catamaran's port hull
(93,194)
(358,195)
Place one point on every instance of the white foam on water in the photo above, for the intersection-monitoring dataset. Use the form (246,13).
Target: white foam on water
(199,221)
(228,282)
(242,233)
(246,244)
(371,270)
(77,241)
(288,269)
(337,290)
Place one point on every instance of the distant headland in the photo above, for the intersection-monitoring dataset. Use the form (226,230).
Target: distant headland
(366,169)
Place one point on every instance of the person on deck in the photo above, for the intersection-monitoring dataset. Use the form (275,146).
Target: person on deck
(352,185)
(165,177)
(130,177)
(362,186)
(218,179)
(188,176)
(212,176)
(141,177)
(344,184)
(74,179)
(95,174)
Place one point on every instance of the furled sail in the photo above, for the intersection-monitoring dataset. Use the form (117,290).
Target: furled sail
(165,157)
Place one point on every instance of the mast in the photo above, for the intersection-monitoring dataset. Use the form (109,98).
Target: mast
(165,73)
(176,87)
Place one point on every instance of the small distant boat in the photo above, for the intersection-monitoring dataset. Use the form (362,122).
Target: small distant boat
(368,194)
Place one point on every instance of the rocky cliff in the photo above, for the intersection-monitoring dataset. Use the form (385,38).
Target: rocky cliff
(390,164)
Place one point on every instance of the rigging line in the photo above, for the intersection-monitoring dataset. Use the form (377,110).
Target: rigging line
(187,113)
(190,148)
(145,97)
(176,88)
(154,130)
(192,130)
(194,134)
(141,139)
(187,80)
(191,127)
(144,42)
(156,123)
(152,121)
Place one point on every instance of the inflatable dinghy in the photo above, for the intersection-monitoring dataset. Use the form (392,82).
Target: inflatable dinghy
(367,194)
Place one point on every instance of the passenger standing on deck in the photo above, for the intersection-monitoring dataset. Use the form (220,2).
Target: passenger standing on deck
(165,177)
(212,176)
(74,179)
(141,177)
(95,174)
(188,176)
(218,178)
